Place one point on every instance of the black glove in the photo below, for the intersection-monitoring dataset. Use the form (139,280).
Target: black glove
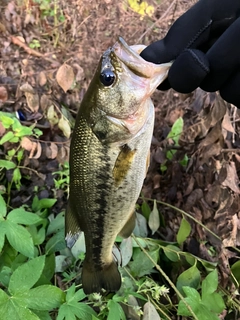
(205,44)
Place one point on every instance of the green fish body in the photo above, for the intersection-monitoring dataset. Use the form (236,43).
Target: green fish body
(109,157)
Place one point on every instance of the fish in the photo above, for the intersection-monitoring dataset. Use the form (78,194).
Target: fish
(109,158)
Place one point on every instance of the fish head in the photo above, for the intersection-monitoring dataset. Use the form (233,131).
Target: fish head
(123,84)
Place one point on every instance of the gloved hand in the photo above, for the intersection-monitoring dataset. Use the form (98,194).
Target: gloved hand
(205,44)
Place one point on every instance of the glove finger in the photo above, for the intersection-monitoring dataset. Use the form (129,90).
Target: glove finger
(195,28)
(188,71)
(230,91)
(224,58)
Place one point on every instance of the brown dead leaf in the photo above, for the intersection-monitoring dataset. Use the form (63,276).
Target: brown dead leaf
(65,77)
(26,144)
(42,79)
(31,97)
(226,123)
(2,129)
(34,147)
(26,87)
(64,125)
(52,151)
(232,180)
(39,151)
(3,94)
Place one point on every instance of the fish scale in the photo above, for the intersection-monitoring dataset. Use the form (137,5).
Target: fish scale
(109,159)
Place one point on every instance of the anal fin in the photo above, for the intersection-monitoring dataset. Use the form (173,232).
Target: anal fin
(129,226)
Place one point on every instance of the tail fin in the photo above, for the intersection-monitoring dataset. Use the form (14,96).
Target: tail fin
(108,278)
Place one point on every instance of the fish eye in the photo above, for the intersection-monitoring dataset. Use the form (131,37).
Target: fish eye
(107,77)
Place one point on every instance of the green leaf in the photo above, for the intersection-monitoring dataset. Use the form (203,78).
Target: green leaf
(75,309)
(43,315)
(56,224)
(235,268)
(26,275)
(48,271)
(22,216)
(154,219)
(214,302)
(6,120)
(19,238)
(3,207)
(7,164)
(8,136)
(10,309)
(42,203)
(23,131)
(210,283)
(190,277)
(171,252)
(145,210)
(115,311)
(17,177)
(141,265)
(45,298)
(184,231)
(56,243)
(193,300)
(176,130)
(2,234)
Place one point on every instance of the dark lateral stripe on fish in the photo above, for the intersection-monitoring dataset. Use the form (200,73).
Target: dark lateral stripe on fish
(103,189)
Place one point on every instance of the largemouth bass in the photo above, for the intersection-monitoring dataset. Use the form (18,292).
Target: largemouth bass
(109,157)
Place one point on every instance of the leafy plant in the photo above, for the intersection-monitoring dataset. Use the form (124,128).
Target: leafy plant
(174,135)
(207,305)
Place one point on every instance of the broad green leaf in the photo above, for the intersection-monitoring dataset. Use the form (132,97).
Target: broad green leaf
(70,311)
(19,238)
(70,293)
(145,209)
(7,164)
(115,311)
(79,295)
(23,131)
(26,275)
(235,268)
(193,300)
(214,302)
(48,271)
(17,177)
(210,283)
(141,264)
(8,136)
(141,229)
(3,297)
(10,309)
(2,234)
(5,275)
(38,235)
(56,243)
(184,231)
(39,204)
(45,298)
(171,252)
(126,249)
(176,130)
(56,224)
(6,120)
(203,313)
(154,219)
(190,277)
(3,207)
(43,315)
(22,216)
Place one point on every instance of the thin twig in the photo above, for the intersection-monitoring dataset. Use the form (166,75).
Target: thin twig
(153,25)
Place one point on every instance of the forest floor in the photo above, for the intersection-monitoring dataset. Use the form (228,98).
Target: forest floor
(44,47)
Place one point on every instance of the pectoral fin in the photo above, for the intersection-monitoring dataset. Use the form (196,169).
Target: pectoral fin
(123,164)
(129,226)
(72,229)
